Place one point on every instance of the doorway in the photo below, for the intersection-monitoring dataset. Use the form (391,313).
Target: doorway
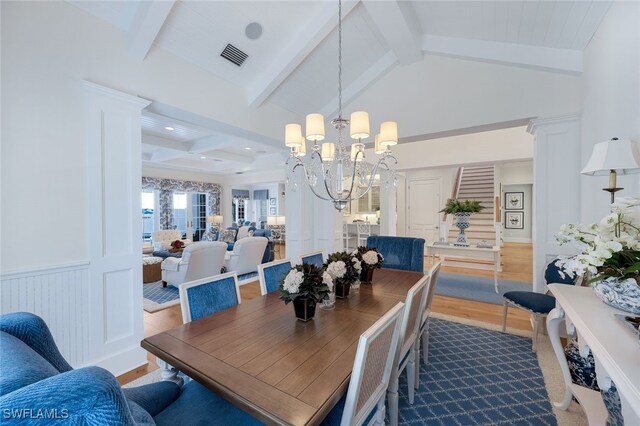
(423,203)
(190,214)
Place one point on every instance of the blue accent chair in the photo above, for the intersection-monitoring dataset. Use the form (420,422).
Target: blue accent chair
(406,253)
(538,304)
(34,376)
(315,258)
(269,254)
(272,273)
(207,296)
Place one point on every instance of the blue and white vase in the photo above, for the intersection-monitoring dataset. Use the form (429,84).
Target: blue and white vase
(623,295)
(461,221)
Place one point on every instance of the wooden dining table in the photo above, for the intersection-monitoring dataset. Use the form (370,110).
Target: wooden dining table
(282,371)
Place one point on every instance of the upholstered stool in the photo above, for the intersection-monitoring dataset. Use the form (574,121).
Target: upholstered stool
(151,270)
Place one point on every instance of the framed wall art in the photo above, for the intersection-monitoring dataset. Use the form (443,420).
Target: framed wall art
(514,200)
(272,211)
(514,220)
(272,201)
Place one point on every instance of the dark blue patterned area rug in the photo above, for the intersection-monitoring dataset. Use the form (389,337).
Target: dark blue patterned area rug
(480,289)
(477,377)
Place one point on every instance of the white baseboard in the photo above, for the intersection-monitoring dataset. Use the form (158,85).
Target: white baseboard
(124,361)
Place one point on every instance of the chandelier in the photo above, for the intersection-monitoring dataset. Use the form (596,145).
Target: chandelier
(334,171)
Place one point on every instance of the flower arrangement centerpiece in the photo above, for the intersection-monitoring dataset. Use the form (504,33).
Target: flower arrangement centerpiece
(305,285)
(371,259)
(177,245)
(609,253)
(344,268)
(462,211)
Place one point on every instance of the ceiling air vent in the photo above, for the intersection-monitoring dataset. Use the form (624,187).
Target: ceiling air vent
(234,55)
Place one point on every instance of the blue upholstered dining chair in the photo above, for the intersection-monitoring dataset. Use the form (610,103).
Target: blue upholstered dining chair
(209,295)
(272,273)
(537,304)
(406,253)
(364,401)
(405,353)
(316,258)
(422,342)
(35,376)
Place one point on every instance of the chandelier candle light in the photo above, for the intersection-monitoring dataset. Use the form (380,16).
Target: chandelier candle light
(345,174)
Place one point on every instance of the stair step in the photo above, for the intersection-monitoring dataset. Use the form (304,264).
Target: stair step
(477,183)
(475,169)
(470,231)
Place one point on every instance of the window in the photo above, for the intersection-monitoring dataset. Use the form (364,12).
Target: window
(198,215)
(180,212)
(148,203)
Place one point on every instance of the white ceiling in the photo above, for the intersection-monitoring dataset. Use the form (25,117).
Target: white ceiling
(294,63)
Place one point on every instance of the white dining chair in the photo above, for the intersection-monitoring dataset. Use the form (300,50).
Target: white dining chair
(209,295)
(347,237)
(316,258)
(405,352)
(364,232)
(365,399)
(271,273)
(422,342)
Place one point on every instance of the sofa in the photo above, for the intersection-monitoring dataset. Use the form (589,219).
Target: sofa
(162,239)
(246,255)
(199,260)
(35,380)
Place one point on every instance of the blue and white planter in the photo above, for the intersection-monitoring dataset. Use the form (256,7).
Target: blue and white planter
(623,295)
(461,221)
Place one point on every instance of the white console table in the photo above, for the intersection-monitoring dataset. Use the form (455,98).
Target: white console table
(471,252)
(614,347)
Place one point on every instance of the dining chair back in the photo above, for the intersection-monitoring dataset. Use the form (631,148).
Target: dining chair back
(406,253)
(365,399)
(347,237)
(272,273)
(364,232)
(209,295)
(405,352)
(315,258)
(422,342)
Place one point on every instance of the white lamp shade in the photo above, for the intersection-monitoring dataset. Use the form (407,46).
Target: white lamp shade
(315,127)
(359,125)
(271,220)
(280,220)
(301,150)
(292,135)
(355,148)
(210,219)
(379,149)
(328,151)
(621,155)
(388,133)
(218,219)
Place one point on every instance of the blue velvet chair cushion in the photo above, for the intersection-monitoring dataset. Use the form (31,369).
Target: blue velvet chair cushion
(154,397)
(274,274)
(552,275)
(404,253)
(20,365)
(209,298)
(197,406)
(536,302)
(315,259)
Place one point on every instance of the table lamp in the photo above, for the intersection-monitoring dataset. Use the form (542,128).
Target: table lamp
(613,157)
(271,220)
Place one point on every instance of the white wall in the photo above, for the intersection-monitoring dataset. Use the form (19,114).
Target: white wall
(611,82)
(47,49)
(515,173)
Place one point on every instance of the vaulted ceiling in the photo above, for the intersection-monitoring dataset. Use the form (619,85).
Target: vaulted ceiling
(293,63)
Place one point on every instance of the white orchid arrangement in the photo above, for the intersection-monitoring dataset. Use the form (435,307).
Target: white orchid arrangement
(306,281)
(344,267)
(370,256)
(610,248)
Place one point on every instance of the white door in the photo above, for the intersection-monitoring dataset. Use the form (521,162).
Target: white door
(423,203)
(190,214)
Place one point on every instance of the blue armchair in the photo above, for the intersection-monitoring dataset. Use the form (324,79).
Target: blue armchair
(37,386)
(406,253)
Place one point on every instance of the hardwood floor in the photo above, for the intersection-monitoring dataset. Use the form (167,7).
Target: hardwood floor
(517,266)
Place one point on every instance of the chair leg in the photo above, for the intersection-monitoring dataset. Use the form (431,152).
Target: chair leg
(380,412)
(411,377)
(425,343)
(392,396)
(504,315)
(536,328)
(417,362)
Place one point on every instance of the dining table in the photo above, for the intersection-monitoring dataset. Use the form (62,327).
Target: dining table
(282,371)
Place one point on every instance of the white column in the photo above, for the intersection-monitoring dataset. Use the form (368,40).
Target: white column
(299,220)
(556,187)
(327,232)
(114,223)
(388,209)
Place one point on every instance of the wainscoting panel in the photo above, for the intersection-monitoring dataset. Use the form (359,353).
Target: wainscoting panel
(60,295)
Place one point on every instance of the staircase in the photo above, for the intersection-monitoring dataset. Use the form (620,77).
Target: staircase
(477,183)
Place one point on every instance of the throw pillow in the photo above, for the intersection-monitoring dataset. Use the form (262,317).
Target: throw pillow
(227,236)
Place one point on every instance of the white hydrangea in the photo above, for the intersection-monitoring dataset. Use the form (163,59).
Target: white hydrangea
(370,257)
(337,269)
(356,264)
(327,280)
(293,280)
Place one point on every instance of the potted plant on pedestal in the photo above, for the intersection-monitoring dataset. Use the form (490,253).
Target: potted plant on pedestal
(345,269)
(610,252)
(371,259)
(462,211)
(305,285)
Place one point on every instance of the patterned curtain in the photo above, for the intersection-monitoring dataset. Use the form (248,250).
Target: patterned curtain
(167,187)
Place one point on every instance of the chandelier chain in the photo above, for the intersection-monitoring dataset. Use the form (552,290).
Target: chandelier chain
(340,59)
